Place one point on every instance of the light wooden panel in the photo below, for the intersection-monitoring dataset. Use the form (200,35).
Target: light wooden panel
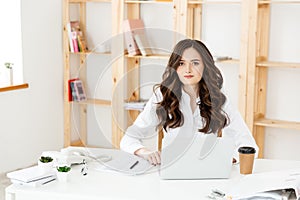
(277,123)
(118,70)
(133,83)
(247,60)
(261,73)
(95,102)
(277,64)
(180,19)
(82,76)
(278,2)
(152,56)
(197,2)
(197,32)
(67,106)
(85,1)
(14,87)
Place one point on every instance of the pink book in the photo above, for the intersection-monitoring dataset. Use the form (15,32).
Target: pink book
(130,28)
(74,40)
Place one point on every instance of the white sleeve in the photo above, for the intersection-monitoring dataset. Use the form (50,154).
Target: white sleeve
(238,130)
(143,127)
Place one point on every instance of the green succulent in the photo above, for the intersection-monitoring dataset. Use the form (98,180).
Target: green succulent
(46,159)
(63,169)
(8,65)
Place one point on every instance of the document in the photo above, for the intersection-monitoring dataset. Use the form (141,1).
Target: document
(35,183)
(126,163)
(252,185)
(30,174)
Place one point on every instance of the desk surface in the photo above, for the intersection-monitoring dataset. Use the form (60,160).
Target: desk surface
(113,186)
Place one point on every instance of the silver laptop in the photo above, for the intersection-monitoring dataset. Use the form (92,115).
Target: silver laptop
(199,157)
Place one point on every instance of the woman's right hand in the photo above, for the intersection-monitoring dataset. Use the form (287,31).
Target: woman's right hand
(152,156)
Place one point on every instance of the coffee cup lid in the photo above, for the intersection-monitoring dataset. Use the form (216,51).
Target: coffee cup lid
(246,150)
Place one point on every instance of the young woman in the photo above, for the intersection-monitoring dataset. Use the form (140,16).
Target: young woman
(188,100)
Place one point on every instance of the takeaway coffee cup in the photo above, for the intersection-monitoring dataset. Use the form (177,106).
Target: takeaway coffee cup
(246,155)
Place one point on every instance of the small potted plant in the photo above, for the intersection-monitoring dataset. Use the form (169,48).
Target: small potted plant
(63,173)
(45,163)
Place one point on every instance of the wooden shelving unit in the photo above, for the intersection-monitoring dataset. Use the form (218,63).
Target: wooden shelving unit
(257,69)
(187,20)
(82,57)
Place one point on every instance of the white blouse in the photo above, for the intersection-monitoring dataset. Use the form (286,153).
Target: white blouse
(145,125)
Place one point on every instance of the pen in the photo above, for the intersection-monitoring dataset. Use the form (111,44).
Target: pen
(132,166)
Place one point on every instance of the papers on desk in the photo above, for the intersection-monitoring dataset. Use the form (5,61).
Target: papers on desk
(267,185)
(31,176)
(126,163)
(35,183)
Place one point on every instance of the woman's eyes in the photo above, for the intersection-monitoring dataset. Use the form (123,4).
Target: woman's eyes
(181,63)
(194,63)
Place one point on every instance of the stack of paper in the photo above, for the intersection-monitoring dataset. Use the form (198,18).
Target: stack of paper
(32,176)
(268,185)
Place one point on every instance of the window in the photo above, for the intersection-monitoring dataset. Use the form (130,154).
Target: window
(11,42)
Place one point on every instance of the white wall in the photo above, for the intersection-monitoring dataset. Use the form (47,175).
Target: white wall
(31,120)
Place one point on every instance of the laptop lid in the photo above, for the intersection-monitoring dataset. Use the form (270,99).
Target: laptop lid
(203,156)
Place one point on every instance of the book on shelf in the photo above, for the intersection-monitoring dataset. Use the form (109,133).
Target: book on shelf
(76,90)
(135,105)
(134,29)
(77,40)
(74,41)
(70,89)
(143,44)
(70,37)
(221,58)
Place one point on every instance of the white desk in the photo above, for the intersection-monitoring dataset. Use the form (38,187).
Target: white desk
(105,185)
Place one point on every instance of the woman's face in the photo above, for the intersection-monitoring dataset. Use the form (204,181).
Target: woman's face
(190,68)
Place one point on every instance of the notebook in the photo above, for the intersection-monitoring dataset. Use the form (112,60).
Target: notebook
(203,156)
(30,174)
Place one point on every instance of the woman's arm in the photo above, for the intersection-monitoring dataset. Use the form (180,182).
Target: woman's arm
(238,130)
(143,127)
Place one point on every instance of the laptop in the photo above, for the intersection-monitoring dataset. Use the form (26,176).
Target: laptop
(203,156)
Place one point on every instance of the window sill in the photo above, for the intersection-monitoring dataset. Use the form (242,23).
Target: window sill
(14,87)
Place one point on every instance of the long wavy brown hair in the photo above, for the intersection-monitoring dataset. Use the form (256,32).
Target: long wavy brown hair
(211,97)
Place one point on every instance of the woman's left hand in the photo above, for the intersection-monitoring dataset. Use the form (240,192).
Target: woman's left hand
(152,156)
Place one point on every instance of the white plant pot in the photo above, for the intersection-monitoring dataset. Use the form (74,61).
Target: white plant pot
(62,176)
(46,167)
(11,76)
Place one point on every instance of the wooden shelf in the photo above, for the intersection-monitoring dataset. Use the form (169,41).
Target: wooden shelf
(154,56)
(85,1)
(89,52)
(147,2)
(14,87)
(278,2)
(77,143)
(278,64)
(277,123)
(95,102)
(213,2)
(195,2)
